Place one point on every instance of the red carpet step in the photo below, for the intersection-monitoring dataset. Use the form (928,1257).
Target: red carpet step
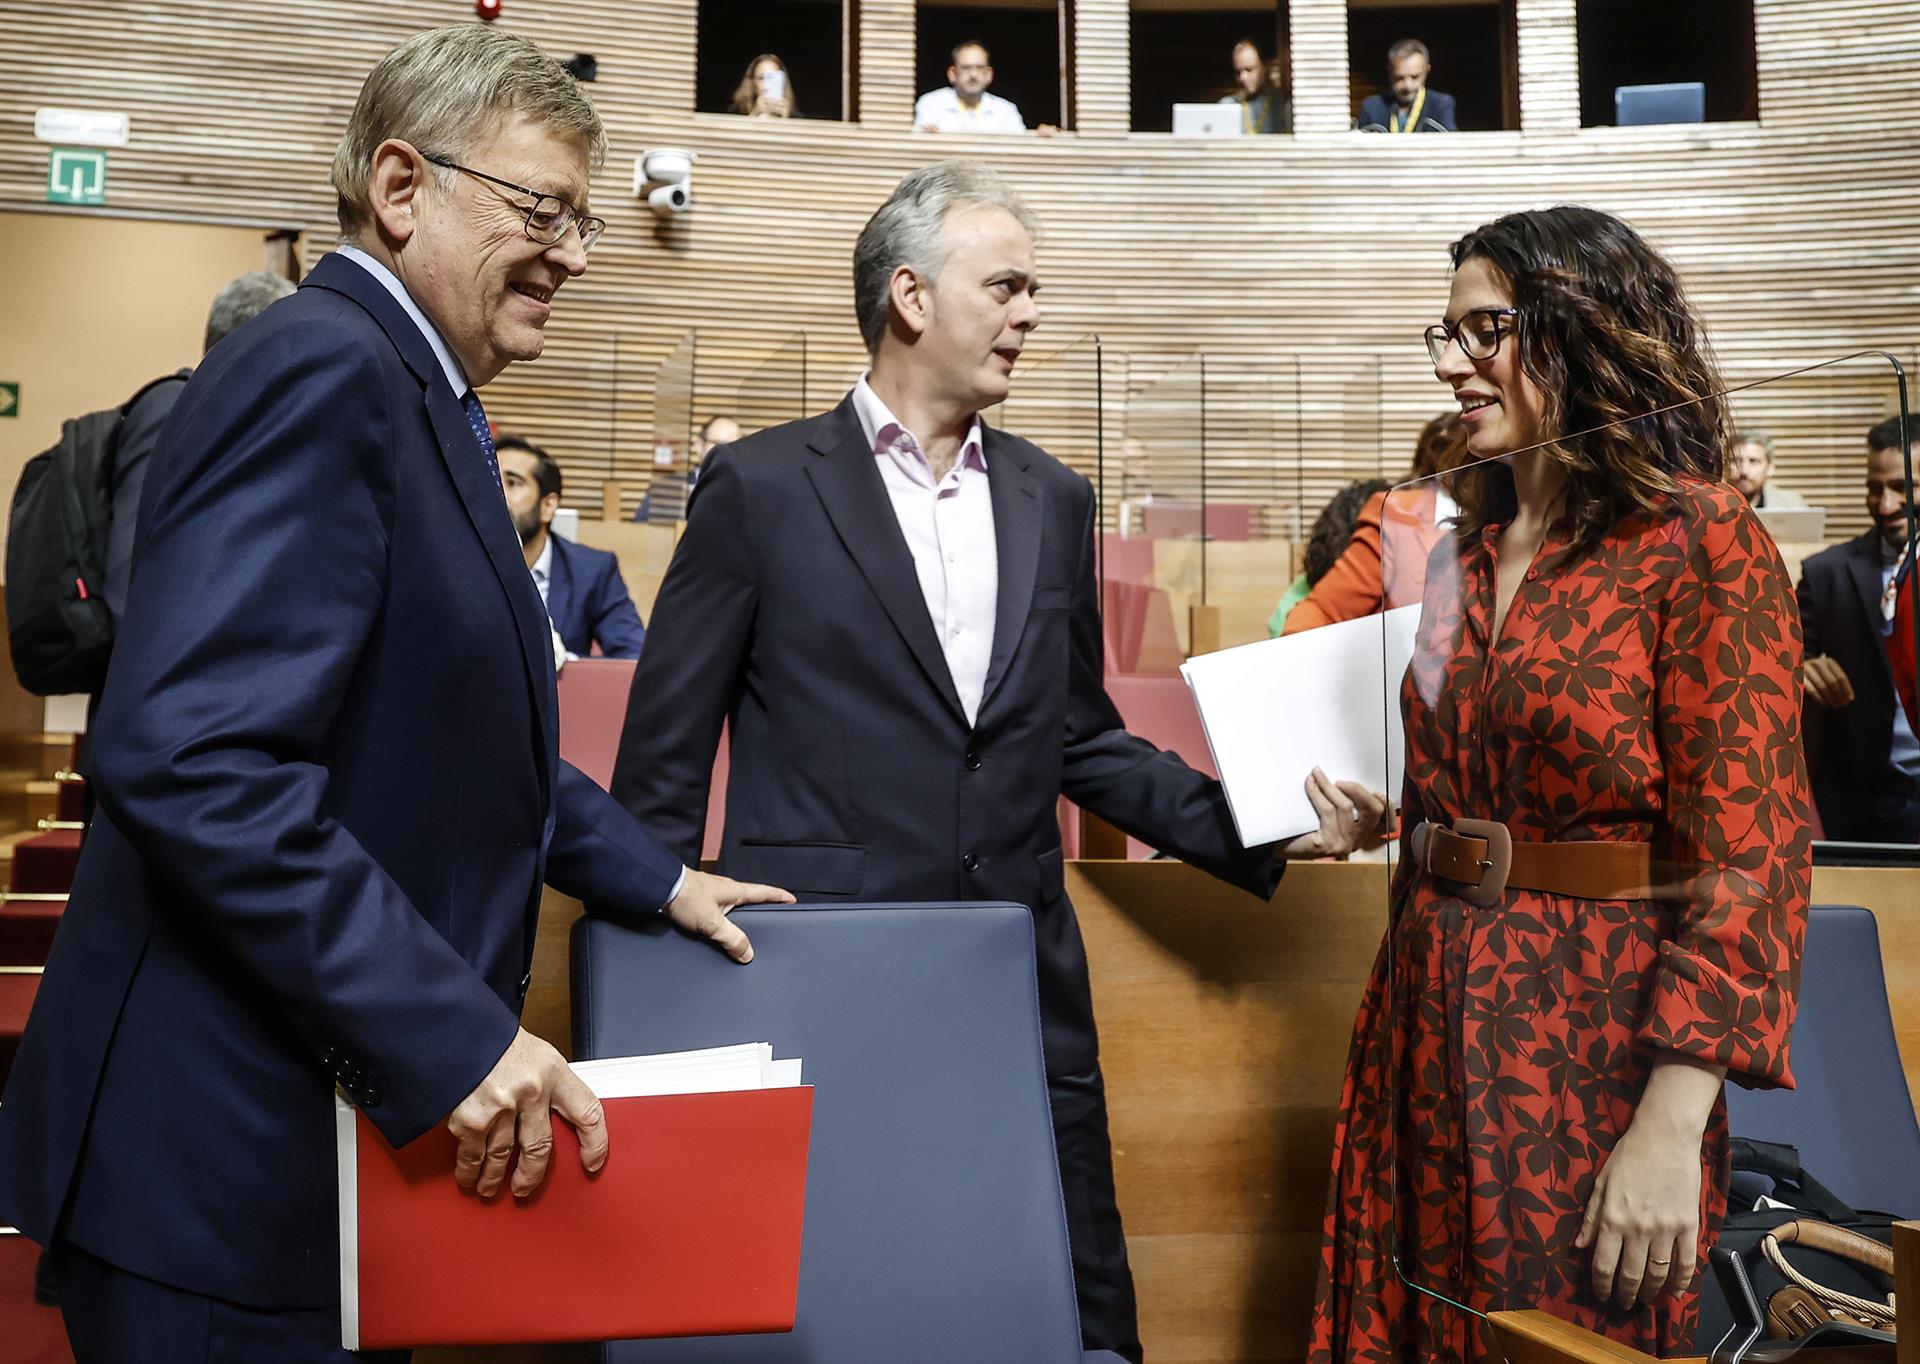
(34,1333)
(46,861)
(27,927)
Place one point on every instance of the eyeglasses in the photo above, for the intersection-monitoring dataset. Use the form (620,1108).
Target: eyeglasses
(1478,332)
(549,217)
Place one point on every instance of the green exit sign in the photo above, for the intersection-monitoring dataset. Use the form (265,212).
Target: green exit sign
(76,175)
(9,400)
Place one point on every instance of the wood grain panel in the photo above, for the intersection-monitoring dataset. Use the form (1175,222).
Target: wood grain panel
(1303,266)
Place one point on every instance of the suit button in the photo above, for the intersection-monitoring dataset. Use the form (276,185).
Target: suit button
(970,862)
(972,761)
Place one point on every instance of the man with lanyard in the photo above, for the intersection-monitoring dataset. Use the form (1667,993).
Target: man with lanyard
(964,105)
(1414,108)
(1263,109)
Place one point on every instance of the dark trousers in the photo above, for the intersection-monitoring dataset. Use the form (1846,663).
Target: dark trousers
(114,1317)
(1104,1283)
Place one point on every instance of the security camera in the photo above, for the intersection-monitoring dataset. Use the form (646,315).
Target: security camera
(669,199)
(664,177)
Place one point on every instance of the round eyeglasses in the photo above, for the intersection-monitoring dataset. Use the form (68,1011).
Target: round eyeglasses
(1478,333)
(548,218)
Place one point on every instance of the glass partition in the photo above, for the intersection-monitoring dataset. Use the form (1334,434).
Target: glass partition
(675,434)
(775,390)
(1604,857)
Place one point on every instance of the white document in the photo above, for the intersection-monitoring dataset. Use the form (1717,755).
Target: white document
(750,1065)
(1326,698)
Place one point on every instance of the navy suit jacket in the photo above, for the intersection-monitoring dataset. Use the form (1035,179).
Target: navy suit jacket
(588,601)
(1376,109)
(792,612)
(1849,750)
(329,791)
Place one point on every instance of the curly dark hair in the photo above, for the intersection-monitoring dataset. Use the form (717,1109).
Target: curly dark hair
(1334,526)
(1607,335)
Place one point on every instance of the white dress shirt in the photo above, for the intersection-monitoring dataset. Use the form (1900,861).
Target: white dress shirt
(948,527)
(942,109)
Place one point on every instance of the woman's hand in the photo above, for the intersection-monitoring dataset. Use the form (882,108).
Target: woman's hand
(1643,1221)
(1349,813)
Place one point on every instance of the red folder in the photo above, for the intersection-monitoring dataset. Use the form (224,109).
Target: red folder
(691,1228)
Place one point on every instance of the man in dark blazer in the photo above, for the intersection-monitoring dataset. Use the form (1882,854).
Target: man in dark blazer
(1412,107)
(581,587)
(894,607)
(326,762)
(1863,756)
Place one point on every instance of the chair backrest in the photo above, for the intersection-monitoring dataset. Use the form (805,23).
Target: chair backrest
(1851,1115)
(934,1226)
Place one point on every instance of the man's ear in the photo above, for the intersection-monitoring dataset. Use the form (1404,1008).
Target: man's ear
(395,182)
(953,75)
(912,300)
(548,506)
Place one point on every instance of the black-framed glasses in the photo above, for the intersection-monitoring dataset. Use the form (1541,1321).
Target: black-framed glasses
(548,218)
(1478,331)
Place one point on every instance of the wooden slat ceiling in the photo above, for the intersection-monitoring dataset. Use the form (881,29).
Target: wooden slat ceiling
(1304,267)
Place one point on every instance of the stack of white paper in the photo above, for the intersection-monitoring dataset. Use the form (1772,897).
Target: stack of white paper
(1327,698)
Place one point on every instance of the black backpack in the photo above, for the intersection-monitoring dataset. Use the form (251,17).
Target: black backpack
(59,629)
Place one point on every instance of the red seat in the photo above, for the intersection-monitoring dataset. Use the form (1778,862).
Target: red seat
(46,861)
(593,709)
(1161,711)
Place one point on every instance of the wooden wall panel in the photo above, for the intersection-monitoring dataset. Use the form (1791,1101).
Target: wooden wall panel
(1304,266)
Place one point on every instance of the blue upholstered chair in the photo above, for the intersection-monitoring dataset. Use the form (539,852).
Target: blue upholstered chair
(935,1230)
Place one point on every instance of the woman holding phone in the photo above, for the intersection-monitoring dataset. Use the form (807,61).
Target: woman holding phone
(1599,911)
(765,91)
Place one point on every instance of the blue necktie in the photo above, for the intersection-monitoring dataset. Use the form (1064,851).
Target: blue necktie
(477,419)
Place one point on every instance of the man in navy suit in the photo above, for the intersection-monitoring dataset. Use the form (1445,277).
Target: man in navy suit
(893,607)
(1413,108)
(581,587)
(326,763)
(1862,752)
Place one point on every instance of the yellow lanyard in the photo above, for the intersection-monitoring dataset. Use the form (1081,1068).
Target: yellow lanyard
(1246,116)
(1413,114)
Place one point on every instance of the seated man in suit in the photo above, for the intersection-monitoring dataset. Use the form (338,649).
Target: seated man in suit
(1753,472)
(326,761)
(1263,109)
(585,596)
(1863,756)
(1413,108)
(894,607)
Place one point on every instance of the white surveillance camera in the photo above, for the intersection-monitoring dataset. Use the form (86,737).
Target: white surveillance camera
(664,177)
(670,199)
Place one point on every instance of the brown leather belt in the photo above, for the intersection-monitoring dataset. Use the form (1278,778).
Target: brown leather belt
(1480,856)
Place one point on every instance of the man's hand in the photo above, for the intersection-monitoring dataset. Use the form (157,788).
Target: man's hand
(704,901)
(1349,813)
(1826,682)
(513,1107)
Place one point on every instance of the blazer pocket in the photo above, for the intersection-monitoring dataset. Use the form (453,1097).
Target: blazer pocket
(803,868)
(1052,598)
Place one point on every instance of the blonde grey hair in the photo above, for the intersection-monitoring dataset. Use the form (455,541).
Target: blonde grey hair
(908,230)
(448,88)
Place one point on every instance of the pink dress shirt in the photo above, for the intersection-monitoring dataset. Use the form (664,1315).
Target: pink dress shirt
(949,531)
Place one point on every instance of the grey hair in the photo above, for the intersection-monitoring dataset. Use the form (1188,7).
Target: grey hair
(907,230)
(242,300)
(1752,437)
(444,89)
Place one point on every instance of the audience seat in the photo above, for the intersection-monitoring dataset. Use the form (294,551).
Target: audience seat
(934,1228)
(1851,1115)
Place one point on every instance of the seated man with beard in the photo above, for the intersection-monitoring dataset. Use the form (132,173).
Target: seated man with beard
(585,596)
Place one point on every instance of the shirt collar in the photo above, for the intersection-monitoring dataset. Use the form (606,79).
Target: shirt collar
(884,431)
(543,566)
(456,377)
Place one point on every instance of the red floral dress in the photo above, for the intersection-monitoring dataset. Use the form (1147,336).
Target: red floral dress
(1644,690)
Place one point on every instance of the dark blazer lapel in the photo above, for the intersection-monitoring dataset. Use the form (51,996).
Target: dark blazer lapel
(1018,502)
(848,483)
(1863,566)
(485,503)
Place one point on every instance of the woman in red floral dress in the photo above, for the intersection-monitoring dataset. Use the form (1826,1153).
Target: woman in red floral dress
(1608,654)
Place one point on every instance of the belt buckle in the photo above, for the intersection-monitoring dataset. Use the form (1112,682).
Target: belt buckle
(1495,867)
